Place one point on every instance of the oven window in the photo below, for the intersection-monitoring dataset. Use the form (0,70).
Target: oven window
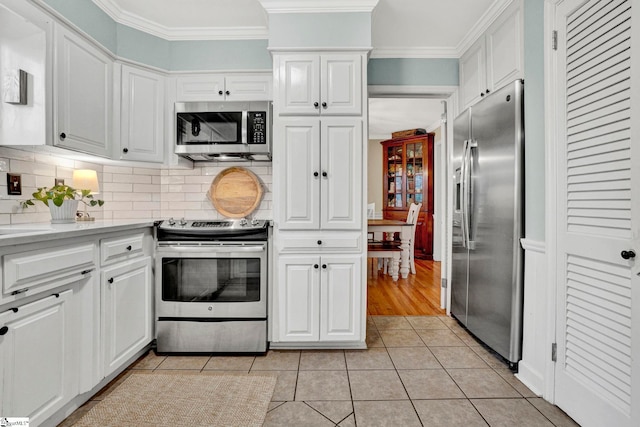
(211,128)
(211,279)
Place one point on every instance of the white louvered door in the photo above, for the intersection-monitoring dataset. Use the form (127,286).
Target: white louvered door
(598,305)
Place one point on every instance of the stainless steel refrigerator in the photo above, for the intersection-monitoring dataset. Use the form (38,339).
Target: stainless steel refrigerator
(488,220)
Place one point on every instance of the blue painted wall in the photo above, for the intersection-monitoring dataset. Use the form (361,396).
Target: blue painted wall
(413,71)
(309,30)
(90,19)
(534,120)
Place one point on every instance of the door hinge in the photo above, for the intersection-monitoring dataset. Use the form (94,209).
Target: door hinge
(554,352)
(554,40)
(443,283)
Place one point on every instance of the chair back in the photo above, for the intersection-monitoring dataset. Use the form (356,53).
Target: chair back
(414,212)
(371,210)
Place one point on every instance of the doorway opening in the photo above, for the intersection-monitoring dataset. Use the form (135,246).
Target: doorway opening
(420,293)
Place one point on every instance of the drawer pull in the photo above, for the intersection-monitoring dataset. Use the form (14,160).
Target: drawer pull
(129,248)
(4,330)
(110,280)
(19,291)
(56,295)
(14,309)
(86,271)
(319,242)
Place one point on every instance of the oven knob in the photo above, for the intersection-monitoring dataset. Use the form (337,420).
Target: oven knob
(171,221)
(183,222)
(255,221)
(243,222)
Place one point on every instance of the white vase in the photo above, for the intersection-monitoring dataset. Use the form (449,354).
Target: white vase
(65,213)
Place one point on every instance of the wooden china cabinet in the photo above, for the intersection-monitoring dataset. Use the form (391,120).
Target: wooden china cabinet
(408,178)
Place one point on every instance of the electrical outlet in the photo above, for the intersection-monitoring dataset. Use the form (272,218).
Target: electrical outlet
(59,181)
(14,184)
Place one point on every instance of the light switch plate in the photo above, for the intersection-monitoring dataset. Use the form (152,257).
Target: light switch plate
(14,184)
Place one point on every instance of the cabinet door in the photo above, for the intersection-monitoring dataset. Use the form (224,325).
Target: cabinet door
(142,136)
(83,94)
(341,174)
(340,298)
(127,315)
(208,87)
(341,87)
(298,298)
(505,56)
(473,79)
(38,358)
(299,84)
(298,180)
(249,88)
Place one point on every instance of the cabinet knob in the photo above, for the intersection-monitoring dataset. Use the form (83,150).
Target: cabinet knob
(315,104)
(4,330)
(316,174)
(481,93)
(63,136)
(315,265)
(487,91)
(324,105)
(227,93)
(125,150)
(324,265)
(129,247)
(219,92)
(324,174)
(630,254)
(110,280)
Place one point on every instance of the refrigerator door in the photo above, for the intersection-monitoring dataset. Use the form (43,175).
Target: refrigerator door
(495,258)
(460,256)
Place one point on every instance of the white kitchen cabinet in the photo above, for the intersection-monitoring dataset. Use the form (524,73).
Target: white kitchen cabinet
(83,94)
(39,354)
(319,178)
(127,322)
(219,87)
(327,84)
(495,59)
(141,115)
(319,298)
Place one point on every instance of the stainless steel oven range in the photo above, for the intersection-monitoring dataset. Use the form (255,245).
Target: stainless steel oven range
(211,286)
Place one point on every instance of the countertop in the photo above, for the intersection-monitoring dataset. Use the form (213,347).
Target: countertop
(35,232)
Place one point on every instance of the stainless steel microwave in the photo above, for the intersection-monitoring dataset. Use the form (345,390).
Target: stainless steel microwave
(224,130)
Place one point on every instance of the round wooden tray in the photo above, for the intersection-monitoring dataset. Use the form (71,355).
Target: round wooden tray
(235,192)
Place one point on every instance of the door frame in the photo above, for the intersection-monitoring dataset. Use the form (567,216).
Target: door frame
(449,95)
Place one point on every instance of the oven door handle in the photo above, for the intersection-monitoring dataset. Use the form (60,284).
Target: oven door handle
(210,249)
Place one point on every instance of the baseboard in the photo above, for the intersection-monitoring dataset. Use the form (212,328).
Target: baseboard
(531,378)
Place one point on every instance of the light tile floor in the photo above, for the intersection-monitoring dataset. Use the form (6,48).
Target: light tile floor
(418,371)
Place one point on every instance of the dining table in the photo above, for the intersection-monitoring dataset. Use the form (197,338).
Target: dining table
(395,226)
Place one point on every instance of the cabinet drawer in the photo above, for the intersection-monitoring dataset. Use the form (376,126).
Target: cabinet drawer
(120,248)
(46,268)
(341,242)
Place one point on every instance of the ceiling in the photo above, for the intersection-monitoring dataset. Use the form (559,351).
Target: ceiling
(400,28)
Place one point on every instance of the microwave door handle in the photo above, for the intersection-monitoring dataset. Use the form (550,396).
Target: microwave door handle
(244,127)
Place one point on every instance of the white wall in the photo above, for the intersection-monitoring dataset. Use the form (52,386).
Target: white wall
(374,174)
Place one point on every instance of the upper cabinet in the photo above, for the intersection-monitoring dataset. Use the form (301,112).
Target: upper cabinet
(328,84)
(219,87)
(142,109)
(495,59)
(83,88)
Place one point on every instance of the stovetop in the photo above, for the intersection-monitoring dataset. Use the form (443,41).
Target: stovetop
(182,229)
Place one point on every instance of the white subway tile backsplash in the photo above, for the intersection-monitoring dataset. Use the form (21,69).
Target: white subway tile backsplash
(146,206)
(15,154)
(146,188)
(117,169)
(20,166)
(132,179)
(117,187)
(146,171)
(131,197)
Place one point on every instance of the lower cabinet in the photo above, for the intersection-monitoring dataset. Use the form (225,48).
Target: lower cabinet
(127,311)
(38,357)
(319,298)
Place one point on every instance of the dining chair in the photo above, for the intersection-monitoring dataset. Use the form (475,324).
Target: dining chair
(386,251)
(412,218)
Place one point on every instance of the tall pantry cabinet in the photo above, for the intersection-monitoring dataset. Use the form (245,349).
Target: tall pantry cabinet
(318,292)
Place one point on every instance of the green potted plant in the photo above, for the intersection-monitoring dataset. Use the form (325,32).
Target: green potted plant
(62,201)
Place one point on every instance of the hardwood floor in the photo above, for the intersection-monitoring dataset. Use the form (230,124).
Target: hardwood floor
(417,295)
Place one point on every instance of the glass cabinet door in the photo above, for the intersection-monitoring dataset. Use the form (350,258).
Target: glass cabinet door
(394,177)
(415,169)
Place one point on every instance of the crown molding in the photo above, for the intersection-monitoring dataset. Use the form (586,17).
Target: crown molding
(318,6)
(137,22)
(487,18)
(414,52)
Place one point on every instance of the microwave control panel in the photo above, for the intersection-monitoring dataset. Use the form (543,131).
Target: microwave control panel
(256,127)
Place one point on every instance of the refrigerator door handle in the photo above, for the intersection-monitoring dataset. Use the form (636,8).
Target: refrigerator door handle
(463,193)
(471,196)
